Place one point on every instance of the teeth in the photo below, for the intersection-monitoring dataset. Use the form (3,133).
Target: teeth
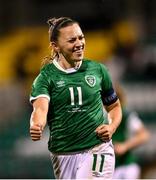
(79,49)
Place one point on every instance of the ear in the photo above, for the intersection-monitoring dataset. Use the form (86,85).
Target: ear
(54,46)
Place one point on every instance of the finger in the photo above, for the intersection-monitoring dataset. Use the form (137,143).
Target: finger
(104,134)
(35,133)
(108,138)
(35,128)
(35,138)
(99,128)
(104,137)
(101,132)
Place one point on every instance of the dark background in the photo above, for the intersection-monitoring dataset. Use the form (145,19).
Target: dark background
(120,34)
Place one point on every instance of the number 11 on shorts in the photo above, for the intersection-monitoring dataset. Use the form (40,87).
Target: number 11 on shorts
(98,162)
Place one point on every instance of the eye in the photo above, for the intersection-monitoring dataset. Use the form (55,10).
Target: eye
(72,40)
(81,37)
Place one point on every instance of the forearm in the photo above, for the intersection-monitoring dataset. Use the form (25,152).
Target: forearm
(115,115)
(105,131)
(38,117)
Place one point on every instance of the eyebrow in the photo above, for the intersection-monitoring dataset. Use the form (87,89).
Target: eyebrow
(82,35)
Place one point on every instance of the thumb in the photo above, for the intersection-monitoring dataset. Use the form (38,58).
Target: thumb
(32,123)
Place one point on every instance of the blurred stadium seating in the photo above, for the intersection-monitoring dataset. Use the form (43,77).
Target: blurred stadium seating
(122,37)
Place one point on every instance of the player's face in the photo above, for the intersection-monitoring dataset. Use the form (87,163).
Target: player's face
(71,43)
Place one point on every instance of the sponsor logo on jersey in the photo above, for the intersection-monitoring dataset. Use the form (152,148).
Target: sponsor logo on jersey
(60,83)
(90,79)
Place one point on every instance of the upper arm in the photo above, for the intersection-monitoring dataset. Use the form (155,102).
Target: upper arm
(40,87)
(116,104)
(108,95)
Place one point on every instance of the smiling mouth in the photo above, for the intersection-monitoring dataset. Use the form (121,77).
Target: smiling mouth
(78,50)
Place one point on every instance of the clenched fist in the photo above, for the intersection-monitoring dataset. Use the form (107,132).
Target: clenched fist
(36,132)
(105,132)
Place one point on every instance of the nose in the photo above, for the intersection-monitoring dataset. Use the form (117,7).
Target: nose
(79,43)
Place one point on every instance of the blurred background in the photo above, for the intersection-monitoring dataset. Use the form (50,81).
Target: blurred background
(120,34)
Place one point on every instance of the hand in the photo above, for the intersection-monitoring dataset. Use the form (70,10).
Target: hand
(36,132)
(105,132)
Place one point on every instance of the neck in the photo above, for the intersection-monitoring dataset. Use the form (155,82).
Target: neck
(67,64)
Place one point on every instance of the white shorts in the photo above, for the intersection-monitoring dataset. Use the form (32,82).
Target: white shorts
(131,171)
(95,163)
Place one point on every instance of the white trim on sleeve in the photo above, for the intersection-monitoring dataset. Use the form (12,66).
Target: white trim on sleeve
(41,95)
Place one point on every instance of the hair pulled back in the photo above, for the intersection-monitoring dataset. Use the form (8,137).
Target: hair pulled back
(55,24)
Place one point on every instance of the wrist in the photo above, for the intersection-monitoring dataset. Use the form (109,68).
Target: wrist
(113,127)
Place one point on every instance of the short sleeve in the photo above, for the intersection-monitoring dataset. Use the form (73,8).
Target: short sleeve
(40,87)
(109,96)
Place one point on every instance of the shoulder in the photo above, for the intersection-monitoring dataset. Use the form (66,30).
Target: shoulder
(94,63)
(46,73)
(47,69)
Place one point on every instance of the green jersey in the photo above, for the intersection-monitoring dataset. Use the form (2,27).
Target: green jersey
(75,104)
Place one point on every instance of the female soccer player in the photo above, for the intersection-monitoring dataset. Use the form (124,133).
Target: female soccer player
(70,94)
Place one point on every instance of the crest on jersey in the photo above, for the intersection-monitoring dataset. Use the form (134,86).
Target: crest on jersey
(90,79)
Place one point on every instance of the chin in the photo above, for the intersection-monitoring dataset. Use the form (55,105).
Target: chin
(78,58)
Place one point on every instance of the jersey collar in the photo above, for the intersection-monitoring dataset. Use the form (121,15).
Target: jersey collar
(68,71)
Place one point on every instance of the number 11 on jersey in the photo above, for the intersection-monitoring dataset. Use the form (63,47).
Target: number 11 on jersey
(71,89)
